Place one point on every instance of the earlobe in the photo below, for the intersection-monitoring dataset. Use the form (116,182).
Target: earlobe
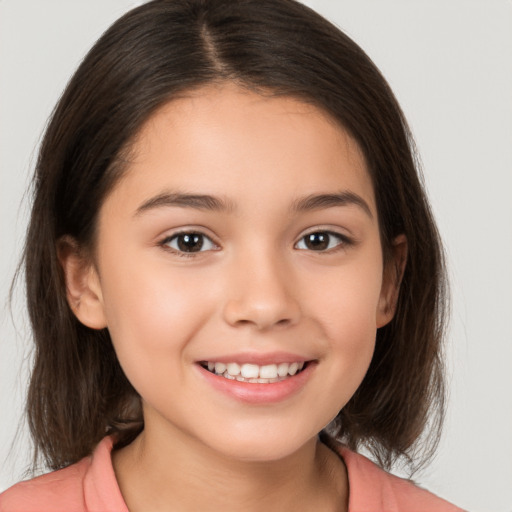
(391,281)
(83,289)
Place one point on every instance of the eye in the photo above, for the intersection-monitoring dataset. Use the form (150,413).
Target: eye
(321,241)
(189,242)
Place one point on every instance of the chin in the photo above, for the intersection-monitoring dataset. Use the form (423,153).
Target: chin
(258,444)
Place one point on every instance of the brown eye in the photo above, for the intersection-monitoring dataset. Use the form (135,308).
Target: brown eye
(189,242)
(320,241)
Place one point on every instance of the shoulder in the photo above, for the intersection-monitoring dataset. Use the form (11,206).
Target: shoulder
(60,490)
(87,486)
(372,489)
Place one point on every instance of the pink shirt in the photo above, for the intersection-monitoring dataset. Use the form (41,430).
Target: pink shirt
(90,486)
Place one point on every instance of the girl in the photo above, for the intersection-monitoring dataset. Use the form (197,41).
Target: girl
(233,275)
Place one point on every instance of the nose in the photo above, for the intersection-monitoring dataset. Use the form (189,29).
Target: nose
(262,293)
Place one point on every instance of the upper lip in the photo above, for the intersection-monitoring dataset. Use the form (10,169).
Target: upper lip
(259,358)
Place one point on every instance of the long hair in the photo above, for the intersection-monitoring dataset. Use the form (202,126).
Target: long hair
(78,392)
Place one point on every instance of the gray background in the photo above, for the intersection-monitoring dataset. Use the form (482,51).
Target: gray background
(450,65)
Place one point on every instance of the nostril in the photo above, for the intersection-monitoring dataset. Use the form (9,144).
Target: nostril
(261,311)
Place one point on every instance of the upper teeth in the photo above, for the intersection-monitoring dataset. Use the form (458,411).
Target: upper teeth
(254,371)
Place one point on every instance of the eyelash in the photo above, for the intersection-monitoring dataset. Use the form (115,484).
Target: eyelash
(183,254)
(344,242)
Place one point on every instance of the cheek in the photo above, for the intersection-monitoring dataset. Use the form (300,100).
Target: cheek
(345,308)
(152,314)
(352,343)
(346,299)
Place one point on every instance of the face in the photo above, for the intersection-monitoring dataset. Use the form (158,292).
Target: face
(239,271)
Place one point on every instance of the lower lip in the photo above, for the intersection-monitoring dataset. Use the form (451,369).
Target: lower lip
(259,393)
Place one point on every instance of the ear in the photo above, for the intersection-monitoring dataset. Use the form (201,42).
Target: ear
(83,289)
(391,280)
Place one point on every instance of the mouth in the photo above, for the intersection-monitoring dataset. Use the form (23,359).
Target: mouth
(253,373)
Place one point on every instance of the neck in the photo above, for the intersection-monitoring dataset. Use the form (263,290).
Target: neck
(173,474)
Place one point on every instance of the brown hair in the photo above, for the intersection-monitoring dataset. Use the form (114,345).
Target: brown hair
(78,392)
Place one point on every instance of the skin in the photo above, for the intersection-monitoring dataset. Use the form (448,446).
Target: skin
(255,287)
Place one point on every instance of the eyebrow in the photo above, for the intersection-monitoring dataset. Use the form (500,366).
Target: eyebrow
(184,200)
(321,201)
(212,203)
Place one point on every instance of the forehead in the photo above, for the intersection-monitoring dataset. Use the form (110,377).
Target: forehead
(228,141)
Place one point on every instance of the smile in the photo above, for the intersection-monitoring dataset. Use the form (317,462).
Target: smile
(253,373)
